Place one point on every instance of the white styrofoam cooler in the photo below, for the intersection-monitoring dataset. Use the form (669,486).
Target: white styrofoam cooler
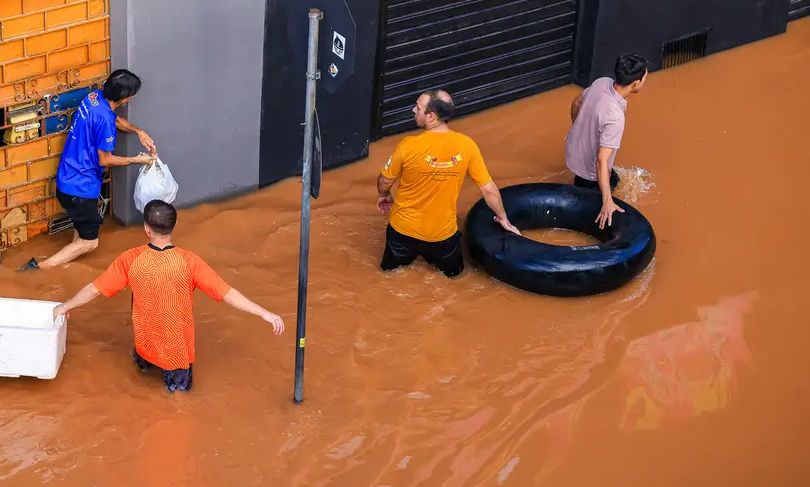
(31,343)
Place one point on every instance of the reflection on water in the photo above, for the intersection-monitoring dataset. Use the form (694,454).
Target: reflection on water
(559,236)
(687,370)
(21,444)
(665,378)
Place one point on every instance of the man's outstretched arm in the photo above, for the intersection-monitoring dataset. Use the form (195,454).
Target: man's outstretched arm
(242,303)
(87,294)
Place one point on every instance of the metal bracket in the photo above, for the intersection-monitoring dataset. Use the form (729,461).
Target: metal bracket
(56,225)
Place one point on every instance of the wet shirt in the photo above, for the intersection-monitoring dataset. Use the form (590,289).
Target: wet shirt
(599,123)
(431,167)
(92,129)
(162,284)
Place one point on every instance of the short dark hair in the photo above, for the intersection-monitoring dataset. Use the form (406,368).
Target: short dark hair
(443,109)
(121,84)
(630,68)
(160,216)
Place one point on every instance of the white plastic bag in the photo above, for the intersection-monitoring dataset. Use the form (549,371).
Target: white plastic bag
(155,182)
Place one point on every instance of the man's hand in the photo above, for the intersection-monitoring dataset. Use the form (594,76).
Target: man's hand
(147,142)
(507,225)
(143,159)
(275,320)
(606,215)
(384,203)
(60,311)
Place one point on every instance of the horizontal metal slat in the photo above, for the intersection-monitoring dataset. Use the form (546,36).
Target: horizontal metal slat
(463,57)
(453,76)
(550,28)
(457,84)
(447,32)
(494,85)
(524,87)
(798,9)
(406,11)
(425,23)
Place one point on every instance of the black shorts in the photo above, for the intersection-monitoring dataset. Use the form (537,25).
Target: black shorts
(175,380)
(83,212)
(586,183)
(401,250)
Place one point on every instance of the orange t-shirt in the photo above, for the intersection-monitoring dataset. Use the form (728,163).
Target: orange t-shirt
(162,284)
(431,167)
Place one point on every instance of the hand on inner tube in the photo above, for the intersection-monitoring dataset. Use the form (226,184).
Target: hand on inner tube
(506,225)
(606,215)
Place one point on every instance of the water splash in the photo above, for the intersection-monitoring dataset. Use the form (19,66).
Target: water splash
(635,182)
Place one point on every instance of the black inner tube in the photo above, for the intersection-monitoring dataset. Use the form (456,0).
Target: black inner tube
(625,248)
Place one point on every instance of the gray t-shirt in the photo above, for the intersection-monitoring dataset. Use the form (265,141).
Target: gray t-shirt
(600,123)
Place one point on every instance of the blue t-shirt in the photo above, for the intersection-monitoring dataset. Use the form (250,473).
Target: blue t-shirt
(93,129)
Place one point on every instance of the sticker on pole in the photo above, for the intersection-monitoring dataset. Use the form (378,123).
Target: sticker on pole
(339,45)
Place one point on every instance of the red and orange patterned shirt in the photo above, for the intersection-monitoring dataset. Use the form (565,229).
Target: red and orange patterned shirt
(162,284)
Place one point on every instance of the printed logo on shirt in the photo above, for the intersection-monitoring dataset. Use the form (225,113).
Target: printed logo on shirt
(388,164)
(93,98)
(435,163)
(110,139)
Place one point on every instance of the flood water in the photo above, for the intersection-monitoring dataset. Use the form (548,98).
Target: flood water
(696,373)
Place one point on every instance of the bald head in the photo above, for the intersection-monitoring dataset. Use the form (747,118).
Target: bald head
(444,96)
(441,103)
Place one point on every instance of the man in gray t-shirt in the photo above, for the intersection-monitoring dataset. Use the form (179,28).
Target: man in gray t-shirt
(595,137)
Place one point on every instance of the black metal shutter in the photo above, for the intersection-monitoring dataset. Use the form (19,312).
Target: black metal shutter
(484,52)
(798,9)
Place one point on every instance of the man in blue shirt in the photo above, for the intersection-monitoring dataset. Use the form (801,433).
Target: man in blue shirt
(88,150)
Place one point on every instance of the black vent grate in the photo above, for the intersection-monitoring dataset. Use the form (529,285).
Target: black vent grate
(683,50)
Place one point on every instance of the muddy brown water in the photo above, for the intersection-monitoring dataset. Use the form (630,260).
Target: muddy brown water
(693,374)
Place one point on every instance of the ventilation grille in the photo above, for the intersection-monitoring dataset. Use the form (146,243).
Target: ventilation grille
(683,50)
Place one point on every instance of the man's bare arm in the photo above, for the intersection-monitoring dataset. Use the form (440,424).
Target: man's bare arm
(575,106)
(84,296)
(492,196)
(125,125)
(609,206)
(108,159)
(384,198)
(384,185)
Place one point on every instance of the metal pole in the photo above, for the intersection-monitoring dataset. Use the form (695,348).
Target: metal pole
(313,75)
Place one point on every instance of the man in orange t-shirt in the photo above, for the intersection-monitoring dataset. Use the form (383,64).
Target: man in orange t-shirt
(431,167)
(163,278)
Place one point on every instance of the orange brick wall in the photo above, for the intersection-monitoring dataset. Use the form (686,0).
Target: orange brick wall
(46,47)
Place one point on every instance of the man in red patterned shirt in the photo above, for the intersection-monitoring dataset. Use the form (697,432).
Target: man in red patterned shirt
(163,278)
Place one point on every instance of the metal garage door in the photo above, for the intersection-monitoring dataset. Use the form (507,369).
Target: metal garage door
(798,9)
(484,52)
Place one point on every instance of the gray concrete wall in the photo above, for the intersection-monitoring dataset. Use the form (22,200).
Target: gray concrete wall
(201,67)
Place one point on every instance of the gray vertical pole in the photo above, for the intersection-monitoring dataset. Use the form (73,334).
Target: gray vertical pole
(313,75)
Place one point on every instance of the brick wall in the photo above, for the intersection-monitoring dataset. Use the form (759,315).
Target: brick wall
(48,48)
